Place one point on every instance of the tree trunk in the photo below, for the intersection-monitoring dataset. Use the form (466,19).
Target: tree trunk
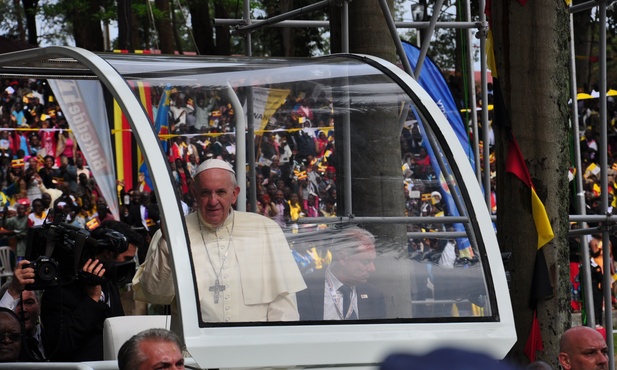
(287,32)
(202,26)
(223,35)
(461,65)
(368,31)
(19,19)
(175,27)
(531,50)
(30,8)
(124,25)
(376,157)
(164,27)
(87,29)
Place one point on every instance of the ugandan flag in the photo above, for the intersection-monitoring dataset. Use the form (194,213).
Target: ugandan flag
(128,156)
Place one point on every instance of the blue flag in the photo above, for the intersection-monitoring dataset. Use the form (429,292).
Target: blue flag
(161,127)
(161,124)
(434,84)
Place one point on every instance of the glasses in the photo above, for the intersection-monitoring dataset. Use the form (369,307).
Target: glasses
(12,337)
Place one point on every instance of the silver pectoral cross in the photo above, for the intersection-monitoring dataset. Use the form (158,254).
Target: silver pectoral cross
(217,288)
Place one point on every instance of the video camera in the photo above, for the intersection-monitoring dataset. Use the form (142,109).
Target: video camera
(57,252)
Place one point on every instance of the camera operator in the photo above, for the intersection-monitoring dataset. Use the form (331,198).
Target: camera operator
(73,313)
(27,306)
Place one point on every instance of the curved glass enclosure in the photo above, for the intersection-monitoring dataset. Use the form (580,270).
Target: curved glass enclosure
(348,155)
(300,112)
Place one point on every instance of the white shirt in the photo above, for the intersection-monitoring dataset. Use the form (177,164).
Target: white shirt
(7,301)
(333,298)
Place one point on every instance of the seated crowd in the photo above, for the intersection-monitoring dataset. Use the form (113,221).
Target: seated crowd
(45,177)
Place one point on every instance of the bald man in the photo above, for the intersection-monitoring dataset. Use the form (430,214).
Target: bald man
(583,348)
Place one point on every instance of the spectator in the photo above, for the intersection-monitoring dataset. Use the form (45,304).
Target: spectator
(34,145)
(48,172)
(102,211)
(38,214)
(47,201)
(184,175)
(281,216)
(67,146)
(192,164)
(27,304)
(10,336)
(295,208)
(583,348)
(150,350)
(17,227)
(33,180)
(81,169)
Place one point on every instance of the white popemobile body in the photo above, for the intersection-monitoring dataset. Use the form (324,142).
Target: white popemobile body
(430,305)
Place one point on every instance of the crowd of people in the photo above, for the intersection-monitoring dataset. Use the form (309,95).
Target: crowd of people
(43,175)
(591,171)
(296,172)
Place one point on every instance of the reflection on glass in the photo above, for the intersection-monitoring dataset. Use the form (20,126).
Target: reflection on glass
(419,266)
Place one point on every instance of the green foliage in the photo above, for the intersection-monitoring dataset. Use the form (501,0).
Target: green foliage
(442,48)
(8,24)
(269,41)
(611,45)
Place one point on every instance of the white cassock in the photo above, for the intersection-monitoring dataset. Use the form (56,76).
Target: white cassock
(249,255)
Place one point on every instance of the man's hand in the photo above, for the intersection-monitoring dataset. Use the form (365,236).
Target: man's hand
(22,276)
(95,268)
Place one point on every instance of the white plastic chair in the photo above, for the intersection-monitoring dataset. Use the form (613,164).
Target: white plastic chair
(6,270)
(119,329)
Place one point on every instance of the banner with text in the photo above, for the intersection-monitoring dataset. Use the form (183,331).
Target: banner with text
(265,103)
(84,108)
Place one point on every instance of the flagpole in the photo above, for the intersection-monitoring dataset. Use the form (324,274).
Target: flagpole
(607,262)
(580,193)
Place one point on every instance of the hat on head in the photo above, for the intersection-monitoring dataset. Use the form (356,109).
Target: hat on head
(213,163)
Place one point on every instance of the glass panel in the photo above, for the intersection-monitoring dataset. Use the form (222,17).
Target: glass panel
(401,255)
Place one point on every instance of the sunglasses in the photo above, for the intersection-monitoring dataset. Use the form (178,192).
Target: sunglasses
(12,337)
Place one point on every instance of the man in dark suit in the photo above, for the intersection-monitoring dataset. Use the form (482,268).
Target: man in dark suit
(342,291)
(73,314)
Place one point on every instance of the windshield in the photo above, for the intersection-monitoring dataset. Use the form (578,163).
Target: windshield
(362,185)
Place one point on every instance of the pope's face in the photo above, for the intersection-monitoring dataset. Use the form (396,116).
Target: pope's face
(215,194)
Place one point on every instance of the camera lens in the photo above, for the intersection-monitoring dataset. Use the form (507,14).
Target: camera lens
(47,271)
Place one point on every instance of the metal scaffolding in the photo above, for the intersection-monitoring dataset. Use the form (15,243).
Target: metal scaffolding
(247,25)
